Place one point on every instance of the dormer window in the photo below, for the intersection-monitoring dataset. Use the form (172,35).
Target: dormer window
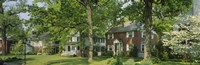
(129,34)
(110,36)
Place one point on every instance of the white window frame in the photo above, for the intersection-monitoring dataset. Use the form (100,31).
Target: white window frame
(128,34)
(74,39)
(110,35)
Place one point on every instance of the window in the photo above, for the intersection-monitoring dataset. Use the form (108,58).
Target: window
(142,47)
(75,39)
(110,36)
(152,36)
(129,34)
(78,47)
(142,34)
(68,48)
(109,48)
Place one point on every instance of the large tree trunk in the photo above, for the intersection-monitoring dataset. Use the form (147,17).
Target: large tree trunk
(89,14)
(4,42)
(148,22)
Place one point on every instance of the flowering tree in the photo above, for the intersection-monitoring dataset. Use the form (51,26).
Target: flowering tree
(185,39)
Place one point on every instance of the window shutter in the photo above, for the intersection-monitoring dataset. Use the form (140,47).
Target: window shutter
(112,36)
(127,47)
(142,34)
(108,36)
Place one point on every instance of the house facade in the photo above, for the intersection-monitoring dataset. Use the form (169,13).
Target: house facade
(72,46)
(125,37)
(99,45)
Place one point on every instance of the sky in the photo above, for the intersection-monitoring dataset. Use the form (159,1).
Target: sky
(25,15)
(21,15)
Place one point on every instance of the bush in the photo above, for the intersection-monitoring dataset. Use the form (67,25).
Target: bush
(146,62)
(1,61)
(48,50)
(118,62)
(113,61)
(129,62)
(134,52)
(155,60)
(9,59)
(165,56)
(18,48)
(109,54)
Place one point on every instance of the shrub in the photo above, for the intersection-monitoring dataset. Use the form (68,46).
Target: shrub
(129,62)
(118,62)
(155,60)
(9,59)
(109,53)
(49,49)
(18,48)
(146,62)
(111,61)
(165,56)
(1,61)
(134,52)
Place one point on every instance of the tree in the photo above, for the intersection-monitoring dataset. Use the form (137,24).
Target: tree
(9,22)
(185,38)
(70,15)
(155,9)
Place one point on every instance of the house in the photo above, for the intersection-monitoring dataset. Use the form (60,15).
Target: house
(126,36)
(72,46)
(39,44)
(99,44)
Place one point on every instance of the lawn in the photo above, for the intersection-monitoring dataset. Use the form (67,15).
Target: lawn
(58,60)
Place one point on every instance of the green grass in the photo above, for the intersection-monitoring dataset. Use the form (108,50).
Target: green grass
(58,60)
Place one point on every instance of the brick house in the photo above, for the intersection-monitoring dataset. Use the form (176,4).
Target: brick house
(129,36)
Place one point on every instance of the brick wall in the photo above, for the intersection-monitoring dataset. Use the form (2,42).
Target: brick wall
(136,40)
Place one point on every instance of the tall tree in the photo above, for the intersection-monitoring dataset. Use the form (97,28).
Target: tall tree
(148,26)
(147,10)
(9,21)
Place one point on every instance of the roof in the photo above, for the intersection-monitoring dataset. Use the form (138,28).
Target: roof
(130,27)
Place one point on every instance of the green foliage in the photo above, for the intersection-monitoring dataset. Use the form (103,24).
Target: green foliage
(134,52)
(111,61)
(185,39)
(48,49)
(10,59)
(146,62)
(129,62)
(118,62)
(155,60)
(18,48)
(109,54)
(114,61)
(165,55)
